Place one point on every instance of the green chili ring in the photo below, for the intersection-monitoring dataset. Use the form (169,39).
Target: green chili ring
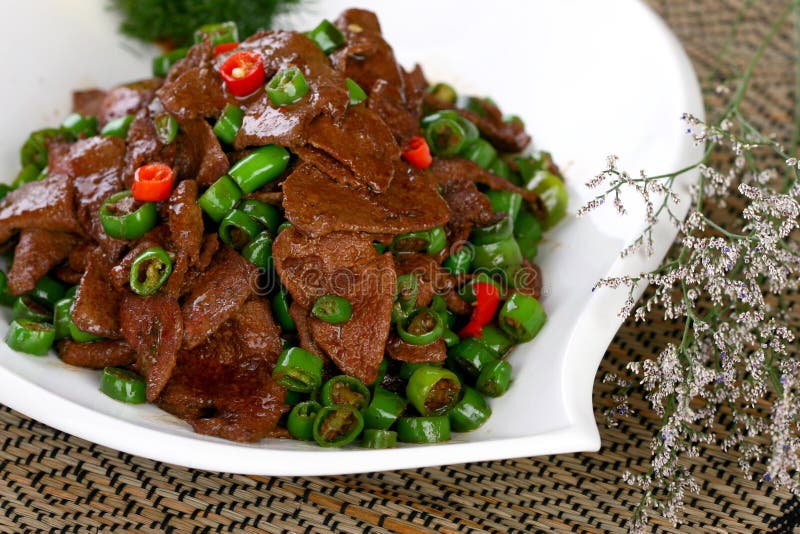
(343,389)
(379,439)
(30,337)
(336,426)
(237,229)
(433,390)
(470,413)
(424,326)
(129,226)
(150,270)
(300,423)
(123,385)
(332,309)
(298,370)
(384,409)
(434,429)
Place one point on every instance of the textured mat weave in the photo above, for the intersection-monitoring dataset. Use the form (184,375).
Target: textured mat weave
(50,481)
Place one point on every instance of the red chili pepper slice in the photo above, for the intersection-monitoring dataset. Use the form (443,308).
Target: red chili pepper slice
(417,153)
(152,183)
(243,72)
(224,47)
(487,300)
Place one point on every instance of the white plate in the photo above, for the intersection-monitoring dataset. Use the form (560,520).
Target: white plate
(589,78)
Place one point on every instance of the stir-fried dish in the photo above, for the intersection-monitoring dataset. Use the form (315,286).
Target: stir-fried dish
(287,236)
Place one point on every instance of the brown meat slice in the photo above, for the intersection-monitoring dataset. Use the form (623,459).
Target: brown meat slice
(442,168)
(45,204)
(318,205)
(97,354)
(361,142)
(127,99)
(306,265)
(468,206)
(216,295)
(302,317)
(96,308)
(256,332)
(225,389)
(196,92)
(347,265)
(389,103)
(37,252)
(96,166)
(263,123)
(88,101)
(153,327)
(416,87)
(185,220)
(505,136)
(406,352)
(199,154)
(357,346)
(365,57)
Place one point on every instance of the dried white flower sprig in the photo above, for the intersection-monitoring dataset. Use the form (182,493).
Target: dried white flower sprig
(729,286)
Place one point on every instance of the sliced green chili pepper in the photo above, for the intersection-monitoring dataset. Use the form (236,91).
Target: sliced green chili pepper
(262,165)
(25,307)
(528,233)
(443,92)
(424,326)
(117,127)
(336,426)
(521,317)
(451,339)
(470,357)
(123,385)
(551,190)
(332,309)
(166,128)
(481,152)
(62,317)
(30,337)
(433,429)
(499,231)
(471,132)
(280,309)
(298,370)
(506,202)
(344,389)
(150,270)
(259,251)
(407,368)
(287,87)
(459,262)
(501,169)
(326,36)
(29,173)
(77,126)
(497,257)
(432,241)
(445,137)
(34,150)
(78,335)
(494,379)
(228,124)
(301,420)
(495,340)
(433,390)
(164,62)
(384,409)
(379,439)
(220,198)
(470,413)
(237,229)
(221,32)
(407,291)
(6,298)
(47,291)
(357,94)
(131,225)
(268,216)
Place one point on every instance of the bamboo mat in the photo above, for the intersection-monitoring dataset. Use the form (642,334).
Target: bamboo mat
(53,482)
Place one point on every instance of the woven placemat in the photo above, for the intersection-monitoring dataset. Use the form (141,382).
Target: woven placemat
(51,481)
